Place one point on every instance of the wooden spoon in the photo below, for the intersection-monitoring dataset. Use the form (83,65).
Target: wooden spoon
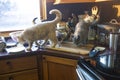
(94,10)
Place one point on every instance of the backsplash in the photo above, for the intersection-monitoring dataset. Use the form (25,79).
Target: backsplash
(107,10)
(68,9)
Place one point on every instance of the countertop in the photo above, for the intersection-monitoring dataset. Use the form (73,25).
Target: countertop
(68,50)
(70,47)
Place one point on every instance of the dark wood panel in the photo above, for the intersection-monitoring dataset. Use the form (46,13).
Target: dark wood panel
(24,75)
(56,68)
(17,64)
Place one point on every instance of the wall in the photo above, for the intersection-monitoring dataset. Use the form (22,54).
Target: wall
(68,9)
(107,11)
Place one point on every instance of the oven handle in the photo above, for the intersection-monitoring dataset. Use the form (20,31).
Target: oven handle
(86,72)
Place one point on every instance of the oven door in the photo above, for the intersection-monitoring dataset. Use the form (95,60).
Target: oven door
(87,72)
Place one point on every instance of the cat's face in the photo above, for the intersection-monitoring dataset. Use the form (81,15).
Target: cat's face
(81,17)
(89,19)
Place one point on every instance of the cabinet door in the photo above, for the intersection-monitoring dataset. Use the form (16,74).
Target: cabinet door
(72,1)
(57,68)
(23,75)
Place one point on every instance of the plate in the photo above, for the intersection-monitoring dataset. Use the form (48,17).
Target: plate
(9,42)
(99,48)
(17,49)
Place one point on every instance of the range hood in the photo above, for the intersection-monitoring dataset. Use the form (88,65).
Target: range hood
(77,1)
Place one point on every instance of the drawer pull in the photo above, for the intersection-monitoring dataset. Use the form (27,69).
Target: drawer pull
(44,58)
(11,78)
(8,63)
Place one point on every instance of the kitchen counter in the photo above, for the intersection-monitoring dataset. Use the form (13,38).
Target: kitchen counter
(48,56)
(36,61)
(72,48)
(66,50)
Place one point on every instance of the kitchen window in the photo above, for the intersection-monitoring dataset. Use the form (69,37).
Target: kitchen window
(18,14)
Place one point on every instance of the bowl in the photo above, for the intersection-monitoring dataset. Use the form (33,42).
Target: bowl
(14,35)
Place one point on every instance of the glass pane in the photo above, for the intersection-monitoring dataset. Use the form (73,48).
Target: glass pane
(18,14)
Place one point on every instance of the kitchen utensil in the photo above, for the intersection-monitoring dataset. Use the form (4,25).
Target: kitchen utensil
(114,21)
(94,10)
(113,25)
(105,29)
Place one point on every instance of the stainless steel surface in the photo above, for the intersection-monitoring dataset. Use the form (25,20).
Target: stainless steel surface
(105,29)
(112,26)
(107,61)
(86,72)
(113,42)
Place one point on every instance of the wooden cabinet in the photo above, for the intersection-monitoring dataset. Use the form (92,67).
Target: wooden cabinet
(21,68)
(22,75)
(57,68)
(44,65)
(72,1)
(77,1)
(102,0)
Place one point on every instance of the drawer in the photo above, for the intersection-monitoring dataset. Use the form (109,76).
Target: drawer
(23,75)
(18,64)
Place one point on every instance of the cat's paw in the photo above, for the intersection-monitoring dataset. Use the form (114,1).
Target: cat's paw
(53,46)
(58,45)
(28,49)
(41,47)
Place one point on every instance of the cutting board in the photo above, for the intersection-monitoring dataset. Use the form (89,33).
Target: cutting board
(70,47)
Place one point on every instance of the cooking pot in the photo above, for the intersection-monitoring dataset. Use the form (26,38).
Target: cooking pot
(108,60)
(108,65)
(104,31)
(112,26)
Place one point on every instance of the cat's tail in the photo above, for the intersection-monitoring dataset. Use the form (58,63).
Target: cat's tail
(58,15)
(34,20)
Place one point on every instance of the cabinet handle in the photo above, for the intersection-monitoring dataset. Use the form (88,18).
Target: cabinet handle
(43,58)
(8,63)
(11,78)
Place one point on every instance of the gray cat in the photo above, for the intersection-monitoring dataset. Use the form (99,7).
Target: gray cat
(82,28)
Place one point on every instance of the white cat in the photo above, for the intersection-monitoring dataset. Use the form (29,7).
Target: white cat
(42,31)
